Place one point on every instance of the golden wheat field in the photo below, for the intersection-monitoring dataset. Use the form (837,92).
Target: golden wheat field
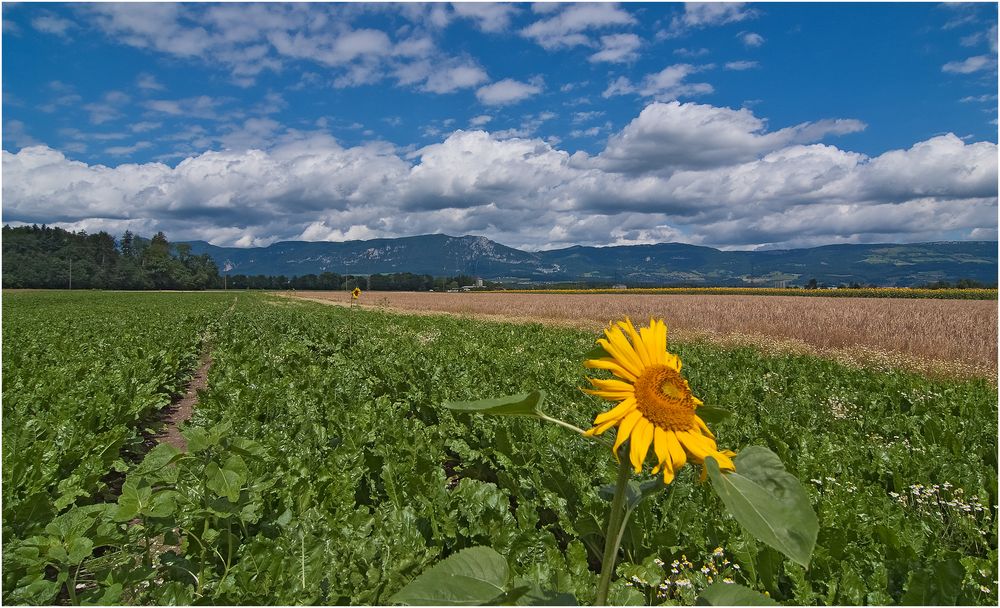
(950,336)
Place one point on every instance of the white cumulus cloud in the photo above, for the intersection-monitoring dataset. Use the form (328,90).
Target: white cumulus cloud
(678,171)
(507,91)
(970,65)
(572,25)
(618,48)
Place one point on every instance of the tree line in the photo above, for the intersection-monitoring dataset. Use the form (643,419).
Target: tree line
(43,257)
(331,281)
(52,258)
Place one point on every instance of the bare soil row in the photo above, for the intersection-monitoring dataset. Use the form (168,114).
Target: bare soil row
(948,336)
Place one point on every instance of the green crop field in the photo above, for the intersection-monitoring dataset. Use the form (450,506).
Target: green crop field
(322,468)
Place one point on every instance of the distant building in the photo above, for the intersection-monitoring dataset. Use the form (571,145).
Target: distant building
(619,286)
(479,282)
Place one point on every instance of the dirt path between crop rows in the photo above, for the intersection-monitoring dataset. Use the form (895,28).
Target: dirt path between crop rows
(181,410)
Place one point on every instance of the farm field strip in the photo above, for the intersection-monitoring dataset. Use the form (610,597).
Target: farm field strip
(321,468)
(951,337)
(863,292)
(82,372)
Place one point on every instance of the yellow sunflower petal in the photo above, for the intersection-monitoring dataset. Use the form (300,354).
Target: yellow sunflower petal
(625,429)
(612,385)
(597,429)
(704,427)
(642,436)
(621,349)
(617,413)
(661,447)
(649,343)
(677,454)
(696,445)
(662,441)
(700,447)
(637,342)
(612,366)
(607,395)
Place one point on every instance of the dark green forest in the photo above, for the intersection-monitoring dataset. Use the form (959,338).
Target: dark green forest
(43,257)
(46,257)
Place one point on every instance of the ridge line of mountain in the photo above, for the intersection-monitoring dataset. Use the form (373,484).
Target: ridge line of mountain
(647,264)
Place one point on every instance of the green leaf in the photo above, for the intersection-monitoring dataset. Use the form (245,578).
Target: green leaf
(621,594)
(157,458)
(731,594)
(635,492)
(937,586)
(712,414)
(543,597)
(163,504)
(523,404)
(471,577)
(768,501)
(227,480)
(134,498)
(79,549)
(597,352)
(111,596)
(197,439)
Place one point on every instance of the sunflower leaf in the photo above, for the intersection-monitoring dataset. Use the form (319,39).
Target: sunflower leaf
(768,501)
(712,414)
(523,404)
(635,492)
(731,594)
(597,352)
(471,577)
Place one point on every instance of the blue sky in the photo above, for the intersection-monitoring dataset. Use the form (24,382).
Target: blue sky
(538,125)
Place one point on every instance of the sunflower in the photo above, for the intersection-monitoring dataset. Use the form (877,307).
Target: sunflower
(655,406)
(356,293)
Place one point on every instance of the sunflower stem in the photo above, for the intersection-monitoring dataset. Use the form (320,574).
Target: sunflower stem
(613,534)
(573,428)
(561,423)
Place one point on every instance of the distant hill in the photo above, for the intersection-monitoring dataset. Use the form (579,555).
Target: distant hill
(661,264)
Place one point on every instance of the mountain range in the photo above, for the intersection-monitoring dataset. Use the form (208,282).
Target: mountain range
(632,265)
